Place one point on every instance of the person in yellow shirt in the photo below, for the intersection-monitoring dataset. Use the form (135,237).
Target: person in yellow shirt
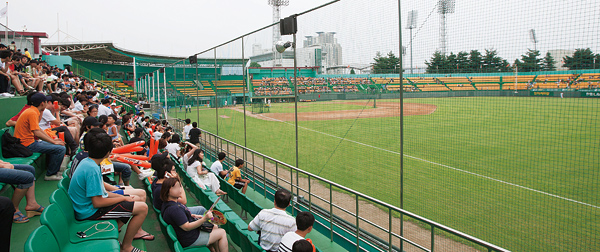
(235,176)
(26,53)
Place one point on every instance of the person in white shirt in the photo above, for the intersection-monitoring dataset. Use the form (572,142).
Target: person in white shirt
(304,224)
(274,223)
(159,132)
(173,146)
(103,109)
(217,166)
(187,128)
(196,169)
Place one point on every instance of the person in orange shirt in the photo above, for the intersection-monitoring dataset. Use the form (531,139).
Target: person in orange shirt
(28,129)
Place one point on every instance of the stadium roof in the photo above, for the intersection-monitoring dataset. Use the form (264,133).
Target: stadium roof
(107,53)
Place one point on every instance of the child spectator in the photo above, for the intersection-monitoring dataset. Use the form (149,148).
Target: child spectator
(217,166)
(304,224)
(186,224)
(92,202)
(235,176)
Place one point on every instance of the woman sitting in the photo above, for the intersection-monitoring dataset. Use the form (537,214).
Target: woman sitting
(186,224)
(199,172)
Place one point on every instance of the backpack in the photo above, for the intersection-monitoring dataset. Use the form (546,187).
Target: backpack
(12,147)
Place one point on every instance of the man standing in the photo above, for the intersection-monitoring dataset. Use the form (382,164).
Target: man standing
(186,129)
(195,134)
(28,127)
(275,222)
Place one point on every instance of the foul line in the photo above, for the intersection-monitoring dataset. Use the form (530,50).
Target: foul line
(443,165)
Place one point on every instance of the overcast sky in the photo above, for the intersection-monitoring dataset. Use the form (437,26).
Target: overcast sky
(185,27)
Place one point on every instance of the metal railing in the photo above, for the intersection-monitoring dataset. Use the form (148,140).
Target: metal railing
(319,195)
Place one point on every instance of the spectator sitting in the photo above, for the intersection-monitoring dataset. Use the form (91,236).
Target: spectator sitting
(173,146)
(304,224)
(235,176)
(217,166)
(165,168)
(103,109)
(274,223)
(24,177)
(197,170)
(27,127)
(51,124)
(186,224)
(92,202)
(302,246)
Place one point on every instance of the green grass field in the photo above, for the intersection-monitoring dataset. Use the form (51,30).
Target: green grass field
(521,173)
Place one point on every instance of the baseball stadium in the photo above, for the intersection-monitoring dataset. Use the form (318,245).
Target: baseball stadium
(486,139)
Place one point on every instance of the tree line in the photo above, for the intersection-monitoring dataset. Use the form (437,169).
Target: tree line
(489,62)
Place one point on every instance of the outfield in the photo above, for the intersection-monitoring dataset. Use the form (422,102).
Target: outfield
(521,173)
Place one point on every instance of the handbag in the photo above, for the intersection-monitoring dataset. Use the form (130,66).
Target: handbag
(206,227)
(12,147)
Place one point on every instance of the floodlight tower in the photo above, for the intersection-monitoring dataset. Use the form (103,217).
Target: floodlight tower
(444,7)
(411,24)
(277,4)
(533,38)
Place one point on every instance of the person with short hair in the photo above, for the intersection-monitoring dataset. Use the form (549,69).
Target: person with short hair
(186,224)
(92,202)
(217,166)
(187,128)
(274,223)
(304,224)
(195,134)
(302,246)
(27,128)
(235,176)
(103,109)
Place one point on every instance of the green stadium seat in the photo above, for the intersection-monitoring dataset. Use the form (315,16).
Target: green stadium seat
(60,218)
(64,184)
(41,239)
(66,235)
(171,233)
(178,248)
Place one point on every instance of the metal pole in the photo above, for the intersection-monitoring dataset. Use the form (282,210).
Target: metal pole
(135,82)
(165,91)
(158,86)
(216,93)
(411,53)
(6,30)
(295,98)
(197,100)
(244,78)
(401,128)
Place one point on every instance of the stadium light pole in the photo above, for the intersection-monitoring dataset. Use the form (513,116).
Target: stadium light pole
(411,24)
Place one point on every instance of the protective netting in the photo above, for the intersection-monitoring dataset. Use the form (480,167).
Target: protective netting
(499,138)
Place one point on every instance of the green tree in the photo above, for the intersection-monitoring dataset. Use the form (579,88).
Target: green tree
(462,61)
(254,64)
(386,64)
(437,63)
(548,63)
(475,62)
(451,63)
(352,71)
(530,61)
(581,59)
(492,62)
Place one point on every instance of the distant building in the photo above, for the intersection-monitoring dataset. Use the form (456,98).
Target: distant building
(317,51)
(559,55)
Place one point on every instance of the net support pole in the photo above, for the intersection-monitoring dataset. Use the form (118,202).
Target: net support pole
(135,82)
(217,92)
(401,126)
(295,97)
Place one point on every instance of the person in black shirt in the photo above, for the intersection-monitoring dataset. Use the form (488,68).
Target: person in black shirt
(195,134)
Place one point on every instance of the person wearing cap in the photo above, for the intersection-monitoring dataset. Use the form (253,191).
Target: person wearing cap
(27,129)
